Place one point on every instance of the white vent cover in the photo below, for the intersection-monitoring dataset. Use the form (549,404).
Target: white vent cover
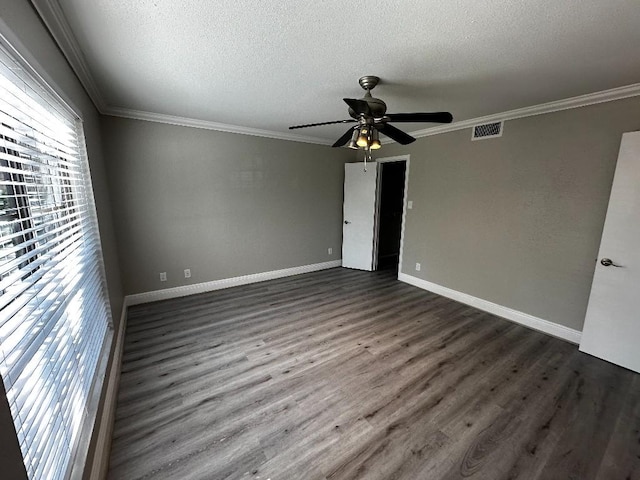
(487,130)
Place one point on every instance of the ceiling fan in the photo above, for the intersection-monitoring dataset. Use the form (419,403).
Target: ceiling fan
(371,116)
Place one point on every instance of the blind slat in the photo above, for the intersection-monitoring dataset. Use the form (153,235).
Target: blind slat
(35,90)
(15,284)
(34,300)
(42,243)
(17,105)
(19,119)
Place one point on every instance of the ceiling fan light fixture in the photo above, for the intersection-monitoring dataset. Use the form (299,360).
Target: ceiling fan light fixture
(375,140)
(363,138)
(354,139)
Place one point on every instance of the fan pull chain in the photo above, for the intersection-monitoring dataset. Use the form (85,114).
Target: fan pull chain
(367,154)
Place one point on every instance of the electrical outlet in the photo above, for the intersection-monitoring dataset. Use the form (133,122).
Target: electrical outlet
(418,266)
(163,276)
(330,250)
(410,204)
(187,273)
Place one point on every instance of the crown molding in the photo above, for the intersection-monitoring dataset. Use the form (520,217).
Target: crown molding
(207,125)
(550,107)
(53,17)
(604,96)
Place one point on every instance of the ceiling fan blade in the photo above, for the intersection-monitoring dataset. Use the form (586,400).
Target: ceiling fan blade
(395,134)
(350,120)
(435,117)
(344,138)
(359,106)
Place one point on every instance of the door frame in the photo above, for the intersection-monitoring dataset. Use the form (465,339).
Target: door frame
(398,158)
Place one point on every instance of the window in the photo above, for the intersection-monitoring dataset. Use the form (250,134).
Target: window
(55,318)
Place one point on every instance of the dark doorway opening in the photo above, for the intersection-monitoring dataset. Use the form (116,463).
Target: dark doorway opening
(392,179)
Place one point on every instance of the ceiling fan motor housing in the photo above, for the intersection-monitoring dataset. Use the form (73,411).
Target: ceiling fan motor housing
(378,107)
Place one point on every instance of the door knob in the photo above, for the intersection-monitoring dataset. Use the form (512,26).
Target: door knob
(347,222)
(608,263)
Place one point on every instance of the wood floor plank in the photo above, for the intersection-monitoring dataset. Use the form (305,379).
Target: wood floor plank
(342,374)
(594,406)
(623,452)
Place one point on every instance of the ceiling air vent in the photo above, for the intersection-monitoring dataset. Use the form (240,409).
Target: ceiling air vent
(488,130)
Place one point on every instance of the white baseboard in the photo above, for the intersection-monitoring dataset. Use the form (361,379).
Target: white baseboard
(522,318)
(176,292)
(102,452)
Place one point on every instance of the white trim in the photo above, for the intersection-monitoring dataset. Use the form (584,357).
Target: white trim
(396,158)
(176,292)
(207,125)
(376,216)
(101,454)
(54,18)
(522,318)
(407,160)
(550,107)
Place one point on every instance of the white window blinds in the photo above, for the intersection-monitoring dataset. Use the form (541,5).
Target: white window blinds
(54,313)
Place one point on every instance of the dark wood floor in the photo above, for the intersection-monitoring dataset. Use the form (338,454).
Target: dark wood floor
(352,375)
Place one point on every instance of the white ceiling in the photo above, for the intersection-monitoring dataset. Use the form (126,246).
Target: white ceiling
(270,64)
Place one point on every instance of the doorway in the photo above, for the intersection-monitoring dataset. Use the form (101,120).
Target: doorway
(392,179)
(374,212)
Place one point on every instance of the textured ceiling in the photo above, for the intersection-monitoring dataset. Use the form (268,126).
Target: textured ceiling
(271,64)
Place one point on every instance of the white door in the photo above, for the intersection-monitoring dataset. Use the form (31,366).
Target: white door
(612,325)
(359,212)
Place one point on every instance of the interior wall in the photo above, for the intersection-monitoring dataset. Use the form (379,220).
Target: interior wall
(221,204)
(516,220)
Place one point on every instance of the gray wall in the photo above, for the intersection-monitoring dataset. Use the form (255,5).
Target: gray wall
(21,25)
(516,220)
(221,204)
